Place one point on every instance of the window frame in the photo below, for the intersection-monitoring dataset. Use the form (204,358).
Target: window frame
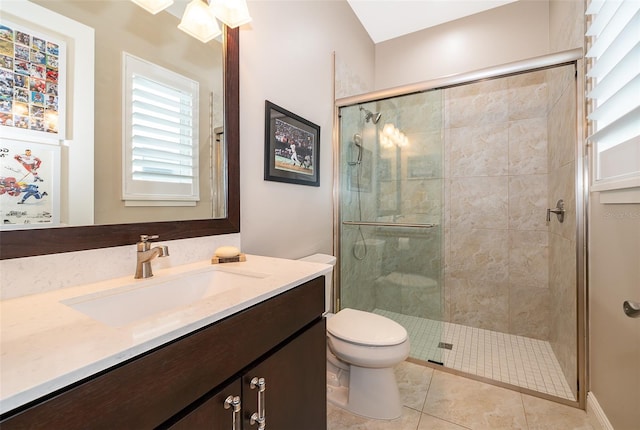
(149,193)
(620,187)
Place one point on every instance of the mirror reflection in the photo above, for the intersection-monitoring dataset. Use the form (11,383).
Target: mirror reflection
(123,27)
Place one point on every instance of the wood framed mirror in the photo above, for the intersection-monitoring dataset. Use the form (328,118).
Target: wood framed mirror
(25,243)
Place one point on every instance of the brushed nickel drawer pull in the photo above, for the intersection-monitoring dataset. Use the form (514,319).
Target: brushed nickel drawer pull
(234,402)
(259,417)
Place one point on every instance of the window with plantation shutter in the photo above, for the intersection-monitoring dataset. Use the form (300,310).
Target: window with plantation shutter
(613,77)
(160,148)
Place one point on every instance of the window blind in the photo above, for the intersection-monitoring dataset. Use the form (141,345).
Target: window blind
(160,139)
(613,38)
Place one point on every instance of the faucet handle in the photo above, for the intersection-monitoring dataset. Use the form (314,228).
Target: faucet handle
(144,245)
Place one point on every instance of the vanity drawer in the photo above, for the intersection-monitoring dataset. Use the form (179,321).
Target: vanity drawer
(147,390)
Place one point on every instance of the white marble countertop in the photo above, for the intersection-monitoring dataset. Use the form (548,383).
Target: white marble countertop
(46,345)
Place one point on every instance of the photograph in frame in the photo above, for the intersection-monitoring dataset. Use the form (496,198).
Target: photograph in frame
(292,147)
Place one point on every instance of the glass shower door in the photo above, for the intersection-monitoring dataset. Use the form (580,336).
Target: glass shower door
(391,215)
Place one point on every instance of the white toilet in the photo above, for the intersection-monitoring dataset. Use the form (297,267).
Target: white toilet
(362,349)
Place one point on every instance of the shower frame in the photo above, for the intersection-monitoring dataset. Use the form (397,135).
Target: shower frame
(570,57)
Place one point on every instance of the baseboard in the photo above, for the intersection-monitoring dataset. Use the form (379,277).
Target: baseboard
(596,414)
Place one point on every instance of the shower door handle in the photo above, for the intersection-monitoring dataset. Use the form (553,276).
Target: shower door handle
(559,211)
(631,309)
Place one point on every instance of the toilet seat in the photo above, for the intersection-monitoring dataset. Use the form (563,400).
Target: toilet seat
(365,328)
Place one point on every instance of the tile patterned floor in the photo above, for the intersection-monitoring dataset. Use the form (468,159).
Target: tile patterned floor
(515,360)
(436,400)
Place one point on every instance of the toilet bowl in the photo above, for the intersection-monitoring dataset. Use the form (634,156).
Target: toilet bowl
(366,347)
(362,349)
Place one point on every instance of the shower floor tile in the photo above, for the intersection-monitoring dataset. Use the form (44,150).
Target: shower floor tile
(516,360)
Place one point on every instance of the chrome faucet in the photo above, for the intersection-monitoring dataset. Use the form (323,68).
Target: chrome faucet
(145,254)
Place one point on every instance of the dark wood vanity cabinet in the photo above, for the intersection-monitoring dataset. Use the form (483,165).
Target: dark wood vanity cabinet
(212,413)
(292,396)
(184,384)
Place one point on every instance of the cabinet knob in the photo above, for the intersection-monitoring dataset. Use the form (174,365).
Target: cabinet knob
(259,417)
(233,403)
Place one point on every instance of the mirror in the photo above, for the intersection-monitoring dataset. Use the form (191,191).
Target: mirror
(21,243)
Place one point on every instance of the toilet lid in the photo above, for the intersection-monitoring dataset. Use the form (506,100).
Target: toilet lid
(365,328)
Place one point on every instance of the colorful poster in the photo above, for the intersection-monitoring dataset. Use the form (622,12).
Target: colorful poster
(29,184)
(31,81)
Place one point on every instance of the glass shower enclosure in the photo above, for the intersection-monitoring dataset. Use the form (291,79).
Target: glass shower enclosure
(391,218)
(445,222)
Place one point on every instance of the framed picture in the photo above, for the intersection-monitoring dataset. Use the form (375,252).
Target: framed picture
(29,184)
(292,147)
(385,169)
(421,167)
(32,84)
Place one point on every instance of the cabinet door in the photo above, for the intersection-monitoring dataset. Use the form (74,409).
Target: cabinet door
(211,414)
(295,384)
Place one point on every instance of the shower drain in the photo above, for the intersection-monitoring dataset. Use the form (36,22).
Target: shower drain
(445,345)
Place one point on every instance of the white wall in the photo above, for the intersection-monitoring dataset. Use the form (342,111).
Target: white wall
(614,276)
(286,58)
(512,32)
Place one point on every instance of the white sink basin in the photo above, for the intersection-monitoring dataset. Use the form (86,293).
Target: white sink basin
(142,299)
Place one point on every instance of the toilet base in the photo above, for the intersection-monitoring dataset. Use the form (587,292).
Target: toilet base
(371,393)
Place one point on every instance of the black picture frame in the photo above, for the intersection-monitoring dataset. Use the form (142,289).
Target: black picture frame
(291,147)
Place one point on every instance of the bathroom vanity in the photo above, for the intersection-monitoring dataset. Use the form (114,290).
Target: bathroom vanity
(263,364)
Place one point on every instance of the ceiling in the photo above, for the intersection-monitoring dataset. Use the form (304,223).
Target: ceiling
(388,19)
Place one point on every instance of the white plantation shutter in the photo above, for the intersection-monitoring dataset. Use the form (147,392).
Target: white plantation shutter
(161,135)
(614,77)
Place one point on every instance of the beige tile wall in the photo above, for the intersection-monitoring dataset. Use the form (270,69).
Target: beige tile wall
(496,247)
(562,236)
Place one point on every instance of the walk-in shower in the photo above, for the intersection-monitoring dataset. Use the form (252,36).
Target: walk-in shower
(442,221)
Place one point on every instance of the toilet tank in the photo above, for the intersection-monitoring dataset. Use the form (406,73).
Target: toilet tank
(328,286)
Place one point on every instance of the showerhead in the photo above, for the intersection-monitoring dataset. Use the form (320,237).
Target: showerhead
(371,116)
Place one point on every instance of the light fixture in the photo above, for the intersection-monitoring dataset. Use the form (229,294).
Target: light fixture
(232,12)
(391,135)
(198,21)
(153,6)
(199,18)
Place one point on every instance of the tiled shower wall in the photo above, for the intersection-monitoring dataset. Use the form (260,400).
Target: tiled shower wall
(566,31)
(496,235)
(562,236)
(509,155)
